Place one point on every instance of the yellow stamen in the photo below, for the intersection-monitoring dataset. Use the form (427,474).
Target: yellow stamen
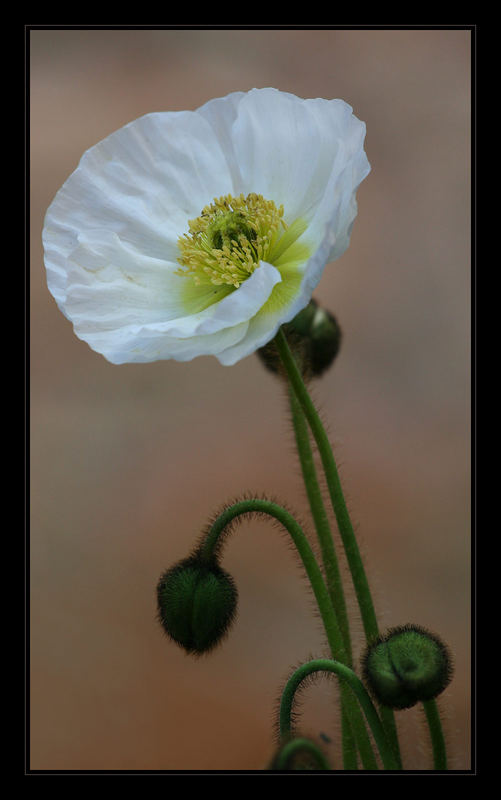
(228,240)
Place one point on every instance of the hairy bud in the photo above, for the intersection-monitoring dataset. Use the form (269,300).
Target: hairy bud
(299,754)
(197,601)
(314,338)
(406,666)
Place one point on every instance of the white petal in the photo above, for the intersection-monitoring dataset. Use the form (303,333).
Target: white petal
(337,211)
(124,322)
(221,113)
(306,154)
(286,146)
(111,233)
(139,345)
(123,279)
(259,332)
(143,182)
(239,306)
(263,328)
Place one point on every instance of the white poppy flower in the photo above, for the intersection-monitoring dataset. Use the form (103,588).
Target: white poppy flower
(200,232)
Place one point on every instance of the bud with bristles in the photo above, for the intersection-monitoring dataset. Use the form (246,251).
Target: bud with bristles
(299,754)
(405,666)
(197,602)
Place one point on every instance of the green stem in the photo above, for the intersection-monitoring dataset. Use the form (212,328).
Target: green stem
(329,557)
(346,531)
(348,743)
(300,745)
(322,525)
(210,547)
(346,674)
(359,578)
(436,734)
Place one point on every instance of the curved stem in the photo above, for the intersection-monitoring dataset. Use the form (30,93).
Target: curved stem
(346,674)
(436,734)
(359,578)
(253,506)
(212,544)
(300,745)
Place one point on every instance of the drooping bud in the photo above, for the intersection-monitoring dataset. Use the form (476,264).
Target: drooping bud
(314,337)
(197,602)
(406,666)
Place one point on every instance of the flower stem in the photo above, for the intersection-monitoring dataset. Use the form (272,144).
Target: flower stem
(436,734)
(252,506)
(359,578)
(334,486)
(329,557)
(346,674)
(210,547)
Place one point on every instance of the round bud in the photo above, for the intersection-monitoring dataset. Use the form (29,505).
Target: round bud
(197,601)
(314,338)
(325,341)
(299,754)
(302,322)
(406,666)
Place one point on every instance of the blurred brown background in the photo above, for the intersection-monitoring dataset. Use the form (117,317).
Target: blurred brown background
(127,462)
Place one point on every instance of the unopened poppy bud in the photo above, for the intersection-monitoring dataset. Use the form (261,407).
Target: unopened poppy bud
(314,338)
(302,322)
(299,754)
(325,341)
(406,666)
(197,602)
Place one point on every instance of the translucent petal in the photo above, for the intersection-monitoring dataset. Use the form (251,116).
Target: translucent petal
(239,306)
(111,233)
(142,344)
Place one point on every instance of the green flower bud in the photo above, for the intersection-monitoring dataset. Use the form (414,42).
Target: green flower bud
(299,754)
(197,602)
(314,338)
(325,341)
(302,322)
(406,666)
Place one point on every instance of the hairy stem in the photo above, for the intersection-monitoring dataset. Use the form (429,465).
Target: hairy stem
(347,675)
(322,525)
(210,547)
(354,559)
(329,557)
(436,734)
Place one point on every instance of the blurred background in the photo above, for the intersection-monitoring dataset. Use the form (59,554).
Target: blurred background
(127,462)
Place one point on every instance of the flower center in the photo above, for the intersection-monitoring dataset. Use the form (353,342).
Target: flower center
(228,240)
